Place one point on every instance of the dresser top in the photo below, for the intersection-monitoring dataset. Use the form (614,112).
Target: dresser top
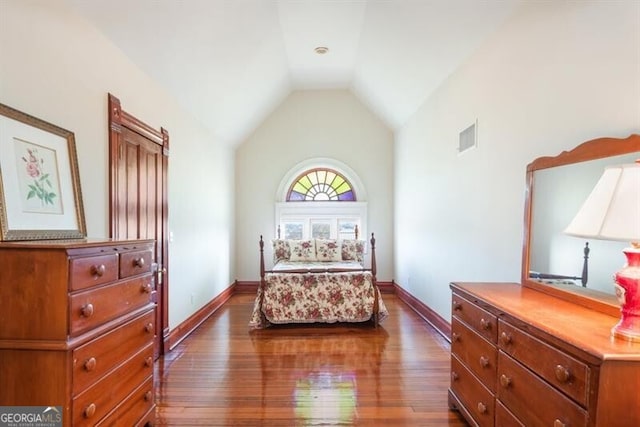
(583,329)
(70,243)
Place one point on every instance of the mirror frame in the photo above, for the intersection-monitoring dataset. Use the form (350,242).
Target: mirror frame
(590,150)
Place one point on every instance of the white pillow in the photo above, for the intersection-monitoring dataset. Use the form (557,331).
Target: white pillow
(328,250)
(281,251)
(302,250)
(353,250)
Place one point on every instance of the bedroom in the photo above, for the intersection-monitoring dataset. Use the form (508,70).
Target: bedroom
(425,202)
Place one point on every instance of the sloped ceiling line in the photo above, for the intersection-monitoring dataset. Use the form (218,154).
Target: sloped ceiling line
(231,62)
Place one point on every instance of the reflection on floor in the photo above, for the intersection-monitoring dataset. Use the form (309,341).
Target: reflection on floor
(307,375)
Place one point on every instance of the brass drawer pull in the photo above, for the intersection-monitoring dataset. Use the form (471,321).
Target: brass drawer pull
(148,396)
(505,338)
(505,381)
(558,423)
(138,262)
(90,364)
(562,373)
(455,336)
(148,327)
(98,270)
(89,411)
(86,310)
(484,361)
(457,306)
(149,361)
(485,324)
(146,288)
(454,376)
(482,408)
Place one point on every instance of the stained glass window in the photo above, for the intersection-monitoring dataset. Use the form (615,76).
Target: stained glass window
(321,185)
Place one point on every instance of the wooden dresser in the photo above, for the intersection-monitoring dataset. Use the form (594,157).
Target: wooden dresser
(520,357)
(77,329)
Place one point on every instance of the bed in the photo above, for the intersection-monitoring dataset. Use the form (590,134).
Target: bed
(560,279)
(317,280)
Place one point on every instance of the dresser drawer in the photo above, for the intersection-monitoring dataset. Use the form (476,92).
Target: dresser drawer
(559,369)
(93,404)
(96,358)
(133,409)
(479,355)
(474,396)
(149,420)
(477,318)
(94,307)
(504,418)
(92,271)
(532,400)
(135,262)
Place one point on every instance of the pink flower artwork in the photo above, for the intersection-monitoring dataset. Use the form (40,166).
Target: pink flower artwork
(41,186)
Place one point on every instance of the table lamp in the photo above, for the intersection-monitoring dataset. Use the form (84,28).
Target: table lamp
(612,212)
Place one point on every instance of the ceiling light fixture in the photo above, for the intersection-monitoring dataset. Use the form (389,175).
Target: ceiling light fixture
(321,50)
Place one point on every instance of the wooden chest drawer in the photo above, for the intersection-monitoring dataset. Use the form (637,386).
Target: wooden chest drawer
(474,396)
(133,409)
(479,355)
(477,318)
(559,369)
(97,401)
(91,271)
(530,398)
(96,358)
(135,262)
(94,307)
(504,418)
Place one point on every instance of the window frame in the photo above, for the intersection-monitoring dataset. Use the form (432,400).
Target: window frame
(316,212)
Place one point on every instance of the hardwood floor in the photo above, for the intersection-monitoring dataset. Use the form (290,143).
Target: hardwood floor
(349,374)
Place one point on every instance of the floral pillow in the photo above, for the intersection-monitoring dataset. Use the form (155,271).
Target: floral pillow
(353,250)
(281,250)
(303,250)
(328,250)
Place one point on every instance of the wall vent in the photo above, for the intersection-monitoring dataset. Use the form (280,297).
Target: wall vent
(468,138)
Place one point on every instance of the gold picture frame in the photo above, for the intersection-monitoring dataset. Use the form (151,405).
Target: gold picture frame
(40,196)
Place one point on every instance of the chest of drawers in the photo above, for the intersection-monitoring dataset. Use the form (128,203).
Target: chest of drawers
(77,329)
(523,358)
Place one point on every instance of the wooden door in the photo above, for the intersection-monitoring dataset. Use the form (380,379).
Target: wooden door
(138,163)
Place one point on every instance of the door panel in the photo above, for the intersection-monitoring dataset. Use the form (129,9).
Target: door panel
(139,158)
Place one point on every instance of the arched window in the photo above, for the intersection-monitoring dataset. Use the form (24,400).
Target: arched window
(321,184)
(306,201)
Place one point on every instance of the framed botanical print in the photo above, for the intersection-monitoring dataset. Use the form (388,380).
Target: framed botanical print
(40,196)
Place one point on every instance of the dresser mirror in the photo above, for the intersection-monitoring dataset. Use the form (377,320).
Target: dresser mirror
(554,262)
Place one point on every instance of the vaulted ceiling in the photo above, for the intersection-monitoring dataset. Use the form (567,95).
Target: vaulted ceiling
(231,62)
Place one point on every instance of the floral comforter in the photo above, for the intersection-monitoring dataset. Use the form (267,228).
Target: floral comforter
(316,297)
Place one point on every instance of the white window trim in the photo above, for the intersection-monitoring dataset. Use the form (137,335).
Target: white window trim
(332,211)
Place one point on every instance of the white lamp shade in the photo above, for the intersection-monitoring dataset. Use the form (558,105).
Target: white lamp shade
(612,210)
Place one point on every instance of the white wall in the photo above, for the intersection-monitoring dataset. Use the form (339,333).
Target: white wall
(55,66)
(556,74)
(310,124)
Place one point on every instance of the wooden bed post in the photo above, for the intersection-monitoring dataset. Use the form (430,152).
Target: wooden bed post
(261,259)
(373,256)
(262,282)
(376,309)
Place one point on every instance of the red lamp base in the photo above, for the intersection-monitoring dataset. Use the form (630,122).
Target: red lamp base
(627,283)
